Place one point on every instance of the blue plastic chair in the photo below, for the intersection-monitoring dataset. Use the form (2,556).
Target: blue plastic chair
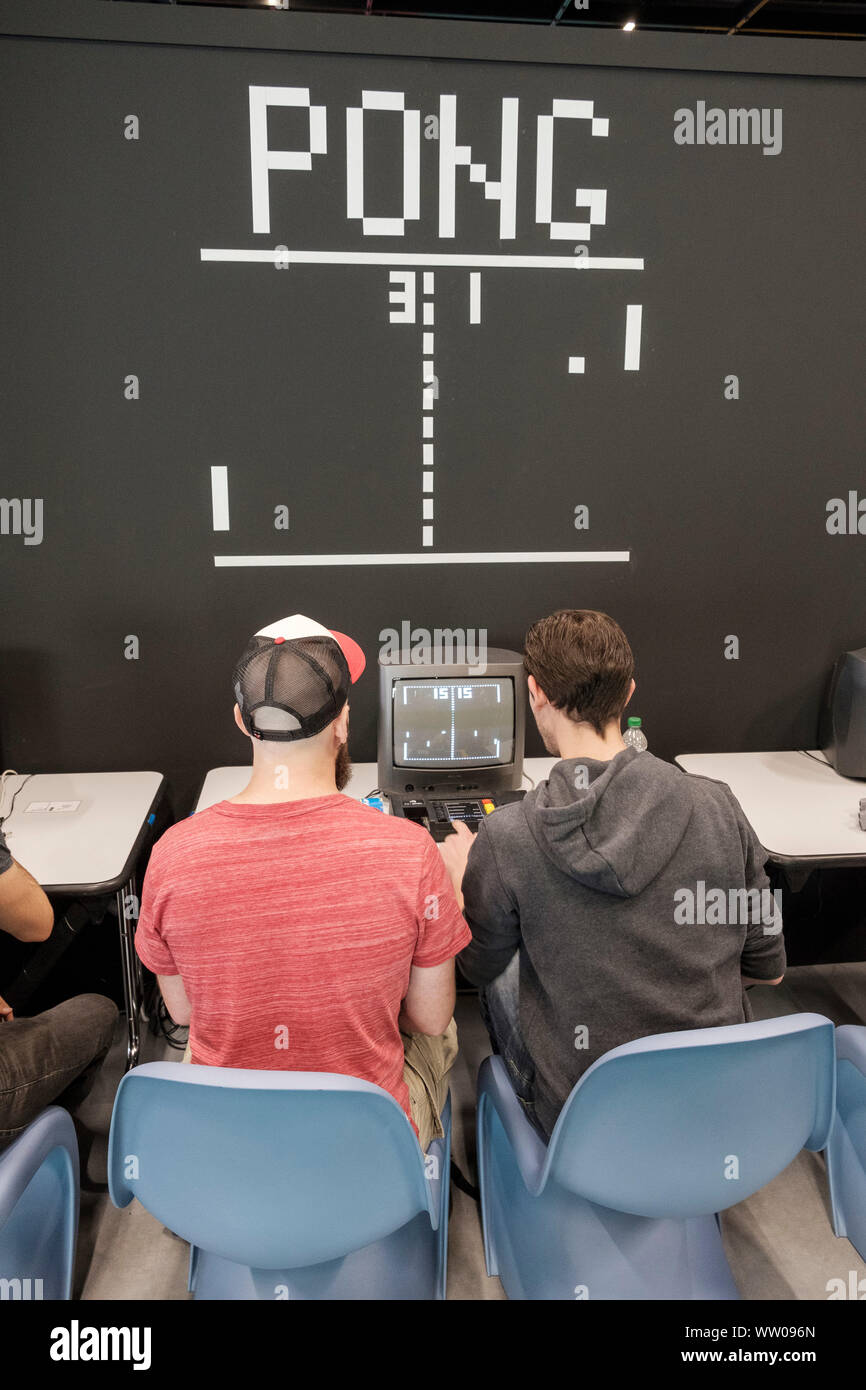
(301,1185)
(623,1202)
(846,1151)
(39,1208)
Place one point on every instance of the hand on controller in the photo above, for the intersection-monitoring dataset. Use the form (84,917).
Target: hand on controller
(455,851)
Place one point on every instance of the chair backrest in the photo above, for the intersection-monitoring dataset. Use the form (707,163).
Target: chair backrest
(39,1209)
(271,1169)
(683,1124)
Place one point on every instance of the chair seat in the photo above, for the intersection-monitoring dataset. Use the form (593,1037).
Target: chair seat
(39,1197)
(671,1129)
(288,1185)
(846,1150)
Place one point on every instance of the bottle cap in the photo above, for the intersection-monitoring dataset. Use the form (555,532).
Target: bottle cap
(633,723)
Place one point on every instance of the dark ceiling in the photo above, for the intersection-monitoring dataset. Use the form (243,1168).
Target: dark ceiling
(841,19)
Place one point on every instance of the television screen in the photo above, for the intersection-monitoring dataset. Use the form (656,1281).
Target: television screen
(454,723)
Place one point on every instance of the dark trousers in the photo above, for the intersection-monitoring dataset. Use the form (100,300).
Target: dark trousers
(51,1059)
(500,1010)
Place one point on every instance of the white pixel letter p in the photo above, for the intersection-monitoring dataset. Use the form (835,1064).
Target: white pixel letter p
(262,159)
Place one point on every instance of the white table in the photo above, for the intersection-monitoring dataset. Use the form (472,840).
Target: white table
(222,783)
(803,812)
(81,834)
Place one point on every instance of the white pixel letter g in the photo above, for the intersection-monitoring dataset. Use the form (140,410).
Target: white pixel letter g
(262,159)
(593,198)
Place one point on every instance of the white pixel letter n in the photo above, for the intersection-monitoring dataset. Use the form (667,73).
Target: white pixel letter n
(452,155)
(262,159)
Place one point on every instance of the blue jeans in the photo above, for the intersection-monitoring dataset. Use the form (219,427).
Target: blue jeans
(500,1010)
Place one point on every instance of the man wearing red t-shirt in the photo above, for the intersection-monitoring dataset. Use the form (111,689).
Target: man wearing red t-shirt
(292,927)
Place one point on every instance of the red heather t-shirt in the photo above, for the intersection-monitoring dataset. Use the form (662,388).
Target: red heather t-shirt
(293,927)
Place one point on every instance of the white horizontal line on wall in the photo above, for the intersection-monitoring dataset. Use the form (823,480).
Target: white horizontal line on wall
(433,258)
(458,557)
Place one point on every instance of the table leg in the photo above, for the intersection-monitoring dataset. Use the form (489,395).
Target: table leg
(131,976)
(137,966)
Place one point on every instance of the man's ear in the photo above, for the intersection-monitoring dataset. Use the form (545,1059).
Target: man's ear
(537,697)
(631,691)
(240,722)
(341,724)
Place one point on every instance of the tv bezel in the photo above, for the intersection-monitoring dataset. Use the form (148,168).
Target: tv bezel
(406,781)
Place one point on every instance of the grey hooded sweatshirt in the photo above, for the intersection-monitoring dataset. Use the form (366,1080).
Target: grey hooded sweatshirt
(623,886)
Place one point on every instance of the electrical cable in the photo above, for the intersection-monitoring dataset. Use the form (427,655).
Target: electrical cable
(807,754)
(10,772)
(175,1034)
(463,1183)
(162,1025)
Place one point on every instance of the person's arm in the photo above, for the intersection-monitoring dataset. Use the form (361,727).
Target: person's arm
(489,909)
(174,994)
(429,1003)
(152,948)
(455,854)
(25,911)
(763,954)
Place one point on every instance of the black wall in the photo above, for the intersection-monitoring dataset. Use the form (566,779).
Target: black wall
(297,382)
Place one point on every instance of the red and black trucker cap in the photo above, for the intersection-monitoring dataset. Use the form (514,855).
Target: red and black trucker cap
(294,677)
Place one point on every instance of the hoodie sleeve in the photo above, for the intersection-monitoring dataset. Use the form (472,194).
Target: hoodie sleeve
(491,913)
(763,955)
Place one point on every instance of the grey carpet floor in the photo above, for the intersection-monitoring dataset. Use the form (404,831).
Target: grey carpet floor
(780,1242)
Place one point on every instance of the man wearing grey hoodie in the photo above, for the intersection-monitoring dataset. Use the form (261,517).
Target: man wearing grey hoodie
(621,898)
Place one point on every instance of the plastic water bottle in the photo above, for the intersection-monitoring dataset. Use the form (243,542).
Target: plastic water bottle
(634,736)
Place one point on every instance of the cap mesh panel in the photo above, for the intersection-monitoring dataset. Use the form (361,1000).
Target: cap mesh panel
(302,685)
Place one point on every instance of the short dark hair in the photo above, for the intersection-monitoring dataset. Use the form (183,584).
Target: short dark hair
(583,663)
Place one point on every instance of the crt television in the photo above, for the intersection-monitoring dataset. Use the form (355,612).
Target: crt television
(842,729)
(449,726)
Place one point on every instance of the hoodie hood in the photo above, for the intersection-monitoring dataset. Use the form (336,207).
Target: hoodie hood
(612,826)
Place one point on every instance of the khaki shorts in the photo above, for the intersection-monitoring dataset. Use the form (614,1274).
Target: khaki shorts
(425,1071)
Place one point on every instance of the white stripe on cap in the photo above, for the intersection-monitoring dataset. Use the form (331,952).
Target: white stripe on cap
(295,627)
